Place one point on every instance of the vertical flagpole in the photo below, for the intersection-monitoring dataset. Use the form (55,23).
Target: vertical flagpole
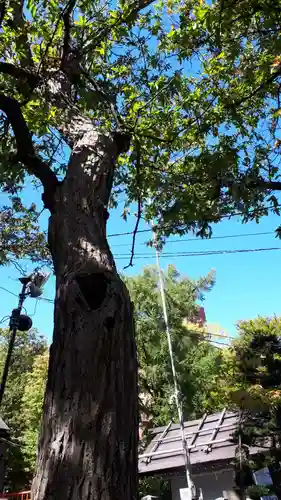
(177,395)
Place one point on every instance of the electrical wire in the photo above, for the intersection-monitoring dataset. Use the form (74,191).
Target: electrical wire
(198,254)
(224,216)
(5,318)
(8,291)
(35,309)
(187,240)
(46,299)
(15,295)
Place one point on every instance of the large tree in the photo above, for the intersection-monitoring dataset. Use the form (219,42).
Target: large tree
(85,88)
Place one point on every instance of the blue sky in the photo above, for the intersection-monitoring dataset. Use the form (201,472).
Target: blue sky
(247,284)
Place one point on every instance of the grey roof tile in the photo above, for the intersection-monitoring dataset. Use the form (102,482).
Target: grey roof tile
(209,439)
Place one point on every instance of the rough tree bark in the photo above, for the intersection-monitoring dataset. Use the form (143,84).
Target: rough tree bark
(88,443)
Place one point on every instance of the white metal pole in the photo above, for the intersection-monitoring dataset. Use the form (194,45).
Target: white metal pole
(190,483)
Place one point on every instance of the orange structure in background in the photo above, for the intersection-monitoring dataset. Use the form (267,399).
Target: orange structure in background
(22,495)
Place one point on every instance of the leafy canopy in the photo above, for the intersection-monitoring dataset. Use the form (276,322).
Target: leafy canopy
(195,84)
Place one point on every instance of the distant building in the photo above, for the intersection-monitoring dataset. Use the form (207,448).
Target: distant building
(211,453)
(201,318)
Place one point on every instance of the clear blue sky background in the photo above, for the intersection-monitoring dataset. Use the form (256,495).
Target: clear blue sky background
(247,284)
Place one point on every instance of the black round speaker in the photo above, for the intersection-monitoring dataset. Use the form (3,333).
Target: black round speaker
(25,323)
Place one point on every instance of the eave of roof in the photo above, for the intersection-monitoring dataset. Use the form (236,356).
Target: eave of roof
(3,426)
(209,441)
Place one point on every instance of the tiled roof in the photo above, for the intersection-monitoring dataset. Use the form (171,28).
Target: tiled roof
(209,439)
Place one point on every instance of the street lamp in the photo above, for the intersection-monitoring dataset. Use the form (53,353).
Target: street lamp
(31,286)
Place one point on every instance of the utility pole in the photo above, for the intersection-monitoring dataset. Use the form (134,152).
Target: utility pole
(31,286)
(14,325)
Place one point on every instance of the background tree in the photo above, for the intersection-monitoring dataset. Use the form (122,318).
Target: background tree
(259,362)
(85,87)
(252,383)
(32,404)
(197,362)
(20,234)
(29,349)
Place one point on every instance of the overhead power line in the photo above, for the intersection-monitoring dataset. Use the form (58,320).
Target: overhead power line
(223,237)
(198,254)
(128,233)
(223,216)
(8,291)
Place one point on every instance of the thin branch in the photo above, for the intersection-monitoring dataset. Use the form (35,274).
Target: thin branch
(103,33)
(116,115)
(195,120)
(139,212)
(18,22)
(49,44)
(67,32)
(25,149)
(271,185)
(264,84)
(158,139)
(154,96)
(2,11)
(106,98)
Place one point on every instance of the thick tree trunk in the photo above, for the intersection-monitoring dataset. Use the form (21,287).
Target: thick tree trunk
(88,443)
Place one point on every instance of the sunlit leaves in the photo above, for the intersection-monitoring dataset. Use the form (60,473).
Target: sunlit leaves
(196,85)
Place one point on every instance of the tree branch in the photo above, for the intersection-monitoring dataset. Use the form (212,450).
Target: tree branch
(139,208)
(2,10)
(271,185)
(102,33)
(270,79)
(20,73)
(67,32)
(107,98)
(25,150)
(18,22)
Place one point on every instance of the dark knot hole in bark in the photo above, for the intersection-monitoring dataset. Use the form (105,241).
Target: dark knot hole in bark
(109,323)
(93,288)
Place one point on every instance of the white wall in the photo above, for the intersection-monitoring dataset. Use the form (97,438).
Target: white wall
(212,484)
